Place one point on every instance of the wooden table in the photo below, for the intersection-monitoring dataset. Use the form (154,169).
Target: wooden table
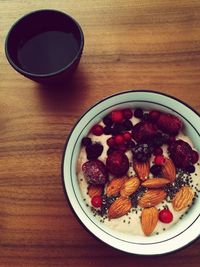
(148,44)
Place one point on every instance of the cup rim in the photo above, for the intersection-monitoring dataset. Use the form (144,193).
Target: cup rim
(34,75)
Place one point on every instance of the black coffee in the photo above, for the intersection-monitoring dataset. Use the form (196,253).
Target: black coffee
(47,52)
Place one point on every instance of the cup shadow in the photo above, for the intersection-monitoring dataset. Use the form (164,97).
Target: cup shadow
(65,96)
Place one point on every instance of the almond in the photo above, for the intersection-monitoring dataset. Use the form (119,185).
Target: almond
(169,170)
(142,169)
(119,207)
(151,198)
(149,219)
(155,182)
(183,198)
(129,187)
(95,190)
(114,186)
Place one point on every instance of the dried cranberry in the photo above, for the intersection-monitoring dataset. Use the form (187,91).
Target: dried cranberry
(165,216)
(127,113)
(97,130)
(117,116)
(154,115)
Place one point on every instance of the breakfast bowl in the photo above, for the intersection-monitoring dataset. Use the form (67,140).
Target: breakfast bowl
(131,169)
(45,46)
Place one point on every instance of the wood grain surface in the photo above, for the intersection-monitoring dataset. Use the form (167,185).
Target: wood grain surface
(140,44)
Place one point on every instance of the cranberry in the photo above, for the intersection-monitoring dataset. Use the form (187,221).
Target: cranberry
(119,139)
(127,113)
(111,142)
(96,201)
(127,136)
(157,151)
(165,216)
(159,160)
(154,115)
(117,116)
(97,130)
(195,156)
(122,148)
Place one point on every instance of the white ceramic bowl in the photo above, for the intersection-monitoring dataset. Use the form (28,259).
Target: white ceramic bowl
(176,237)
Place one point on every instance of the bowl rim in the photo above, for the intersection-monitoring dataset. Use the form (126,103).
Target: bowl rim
(47,75)
(64,185)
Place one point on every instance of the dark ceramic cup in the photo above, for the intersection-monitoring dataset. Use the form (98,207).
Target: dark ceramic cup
(45,46)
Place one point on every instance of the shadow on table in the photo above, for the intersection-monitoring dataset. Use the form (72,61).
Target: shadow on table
(64,96)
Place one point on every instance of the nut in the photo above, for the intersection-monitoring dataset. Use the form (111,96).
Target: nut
(155,182)
(151,198)
(119,207)
(183,198)
(114,186)
(129,187)
(149,219)
(169,170)
(142,169)
(95,190)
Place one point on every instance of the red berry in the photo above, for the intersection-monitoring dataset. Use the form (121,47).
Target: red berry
(165,216)
(195,157)
(122,148)
(117,116)
(111,142)
(96,201)
(127,136)
(119,140)
(97,130)
(127,113)
(158,151)
(154,115)
(159,160)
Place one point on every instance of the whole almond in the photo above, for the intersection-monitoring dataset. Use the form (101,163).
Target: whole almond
(142,169)
(149,219)
(151,198)
(119,207)
(95,190)
(155,182)
(169,170)
(130,186)
(183,198)
(114,186)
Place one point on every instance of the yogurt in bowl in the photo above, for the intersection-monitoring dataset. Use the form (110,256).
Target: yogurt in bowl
(136,187)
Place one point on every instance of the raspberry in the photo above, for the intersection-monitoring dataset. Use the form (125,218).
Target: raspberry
(119,140)
(159,160)
(157,151)
(165,216)
(97,130)
(111,142)
(156,170)
(169,123)
(96,201)
(144,132)
(127,113)
(181,153)
(117,116)
(138,113)
(154,115)
(127,136)
(195,157)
